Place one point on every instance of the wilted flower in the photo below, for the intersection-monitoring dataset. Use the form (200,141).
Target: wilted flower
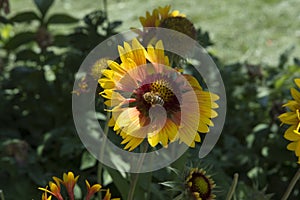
(43,38)
(98,67)
(82,87)
(292,118)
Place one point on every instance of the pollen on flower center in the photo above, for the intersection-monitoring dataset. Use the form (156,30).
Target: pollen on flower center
(162,88)
(201,185)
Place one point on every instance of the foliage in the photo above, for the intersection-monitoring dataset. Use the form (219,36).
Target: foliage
(37,75)
(38,138)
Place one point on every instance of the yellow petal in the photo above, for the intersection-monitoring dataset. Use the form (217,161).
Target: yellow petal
(203,128)
(153,139)
(288,118)
(127,116)
(296,94)
(297,82)
(192,81)
(292,146)
(291,135)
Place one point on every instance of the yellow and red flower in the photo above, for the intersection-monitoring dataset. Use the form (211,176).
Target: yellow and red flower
(145,80)
(69,181)
(54,190)
(91,190)
(292,118)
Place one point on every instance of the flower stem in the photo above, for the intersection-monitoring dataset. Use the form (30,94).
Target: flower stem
(2,195)
(291,185)
(233,186)
(135,176)
(101,153)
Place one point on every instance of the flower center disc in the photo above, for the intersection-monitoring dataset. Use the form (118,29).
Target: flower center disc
(162,89)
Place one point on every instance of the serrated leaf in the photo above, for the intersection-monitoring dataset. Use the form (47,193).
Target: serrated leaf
(61,19)
(87,161)
(25,17)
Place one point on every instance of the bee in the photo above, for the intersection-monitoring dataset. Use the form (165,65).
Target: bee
(153,98)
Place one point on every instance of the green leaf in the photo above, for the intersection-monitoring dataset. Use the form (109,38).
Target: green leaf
(27,55)
(119,181)
(3,20)
(25,17)
(87,161)
(61,19)
(19,39)
(61,40)
(43,5)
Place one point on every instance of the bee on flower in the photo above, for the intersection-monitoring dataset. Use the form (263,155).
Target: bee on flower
(145,79)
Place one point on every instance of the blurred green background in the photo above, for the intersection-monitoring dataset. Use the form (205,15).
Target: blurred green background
(256,30)
(255,45)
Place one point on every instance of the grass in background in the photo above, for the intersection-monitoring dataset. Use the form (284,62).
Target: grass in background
(253,30)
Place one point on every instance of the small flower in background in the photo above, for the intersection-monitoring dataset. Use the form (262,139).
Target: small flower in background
(69,181)
(158,15)
(180,24)
(292,118)
(199,185)
(143,90)
(162,17)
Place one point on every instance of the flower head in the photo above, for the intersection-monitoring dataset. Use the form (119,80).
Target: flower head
(54,189)
(45,196)
(151,100)
(200,185)
(292,118)
(162,17)
(91,190)
(69,182)
(158,15)
(108,196)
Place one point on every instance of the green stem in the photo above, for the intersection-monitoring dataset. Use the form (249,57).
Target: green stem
(233,186)
(291,185)
(2,195)
(101,153)
(105,8)
(135,176)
